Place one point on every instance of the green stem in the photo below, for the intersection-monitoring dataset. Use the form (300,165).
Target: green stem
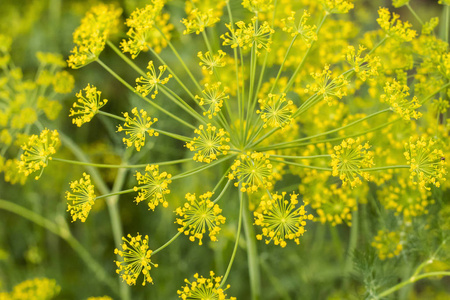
(291,81)
(76,162)
(222,192)
(236,243)
(414,14)
(168,243)
(142,97)
(199,169)
(125,58)
(182,104)
(116,193)
(252,253)
(411,280)
(301,165)
(64,233)
(351,246)
(113,116)
(179,58)
(386,168)
(301,157)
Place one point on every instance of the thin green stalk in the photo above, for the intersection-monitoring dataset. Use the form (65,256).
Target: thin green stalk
(64,233)
(113,116)
(236,243)
(168,243)
(125,58)
(174,50)
(252,252)
(180,82)
(429,97)
(447,23)
(199,169)
(182,104)
(385,168)
(411,280)
(81,163)
(301,165)
(115,193)
(301,157)
(297,70)
(222,192)
(282,64)
(144,98)
(414,14)
(351,246)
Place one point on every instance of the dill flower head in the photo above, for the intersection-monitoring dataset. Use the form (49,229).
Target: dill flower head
(365,67)
(337,6)
(149,83)
(333,204)
(35,289)
(327,86)
(198,215)
(87,106)
(405,198)
(198,20)
(258,6)
(136,259)
(38,151)
(81,198)
(142,32)
(210,61)
(396,94)
(275,111)
(63,82)
(90,37)
(281,219)
(246,36)
(394,27)
(306,32)
(209,143)
(51,59)
(387,243)
(204,288)
(213,96)
(136,127)
(427,163)
(347,160)
(153,185)
(252,170)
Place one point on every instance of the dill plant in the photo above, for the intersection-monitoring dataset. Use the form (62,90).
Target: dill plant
(296,119)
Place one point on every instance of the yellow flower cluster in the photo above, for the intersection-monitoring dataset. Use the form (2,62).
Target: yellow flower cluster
(142,33)
(209,143)
(405,199)
(306,32)
(333,204)
(252,170)
(81,199)
(337,6)
(34,289)
(328,86)
(87,106)
(387,243)
(395,95)
(136,259)
(349,158)
(247,36)
(153,185)
(145,85)
(197,21)
(90,37)
(210,61)
(258,6)
(281,219)
(204,288)
(199,215)
(213,96)
(276,110)
(365,67)
(38,151)
(427,162)
(394,27)
(136,127)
